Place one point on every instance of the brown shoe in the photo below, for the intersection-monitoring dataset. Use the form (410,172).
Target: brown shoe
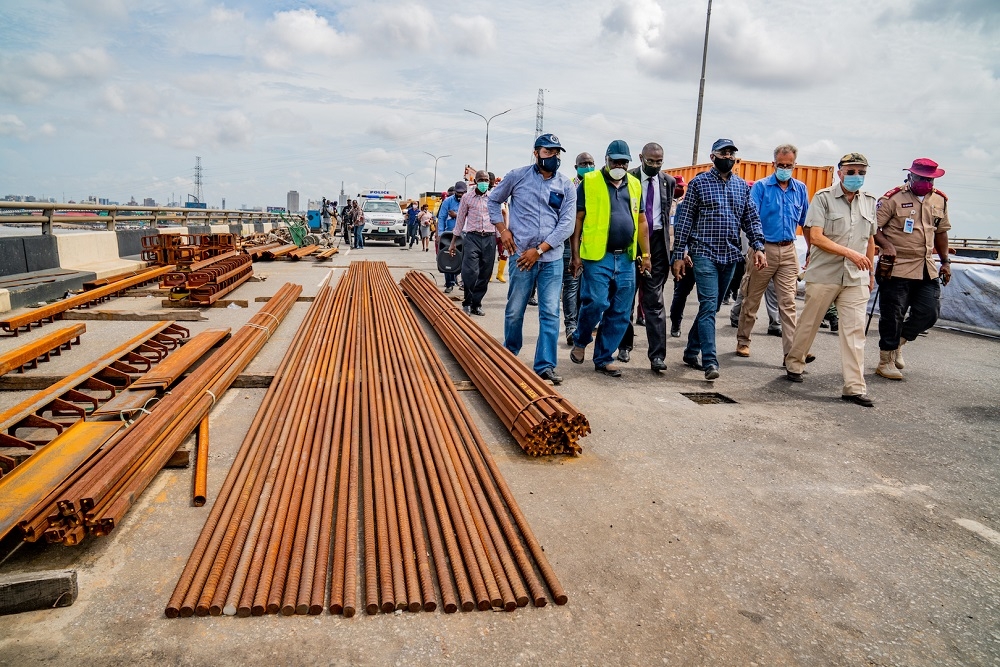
(742,350)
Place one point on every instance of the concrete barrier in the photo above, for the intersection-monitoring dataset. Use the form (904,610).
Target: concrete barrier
(258,227)
(95,252)
(220,229)
(180,229)
(130,241)
(248,228)
(199,229)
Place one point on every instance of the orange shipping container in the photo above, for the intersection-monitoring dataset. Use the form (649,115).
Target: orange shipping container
(815,178)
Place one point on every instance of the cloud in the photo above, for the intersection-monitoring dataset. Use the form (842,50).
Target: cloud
(744,48)
(113,98)
(975,153)
(399,28)
(233,128)
(87,63)
(379,156)
(600,124)
(393,128)
(285,120)
(302,32)
(47,130)
(473,35)
(11,125)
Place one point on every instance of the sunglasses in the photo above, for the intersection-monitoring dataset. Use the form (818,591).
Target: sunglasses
(859,172)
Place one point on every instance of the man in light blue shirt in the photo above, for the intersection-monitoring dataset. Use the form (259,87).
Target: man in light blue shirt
(542,213)
(782,202)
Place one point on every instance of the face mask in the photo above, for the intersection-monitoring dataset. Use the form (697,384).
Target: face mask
(724,164)
(580,171)
(649,170)
(549,164)
(616,174)
(458,196)
(921,188)
(853,183)
(482,186)
(783,174)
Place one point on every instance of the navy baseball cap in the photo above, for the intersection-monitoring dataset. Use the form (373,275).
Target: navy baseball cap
(723,143)
(618,150)
(460,186)
(548,141)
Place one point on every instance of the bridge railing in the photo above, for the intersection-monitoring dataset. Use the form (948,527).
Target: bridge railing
(111,216)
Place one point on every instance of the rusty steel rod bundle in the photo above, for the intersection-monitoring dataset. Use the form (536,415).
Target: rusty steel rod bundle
(541,421)
(362,454)
(97,496)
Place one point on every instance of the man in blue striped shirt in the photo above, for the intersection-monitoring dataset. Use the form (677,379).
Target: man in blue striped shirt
(717,205)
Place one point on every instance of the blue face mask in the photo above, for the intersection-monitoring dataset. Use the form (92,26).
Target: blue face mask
(853,183)
(580,171)
(549,164)
(783,174)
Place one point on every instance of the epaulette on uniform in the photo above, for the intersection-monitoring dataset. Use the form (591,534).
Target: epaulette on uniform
(941,193)
(890,193)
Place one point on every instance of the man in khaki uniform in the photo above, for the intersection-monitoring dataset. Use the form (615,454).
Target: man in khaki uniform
(912,225)
(841,228)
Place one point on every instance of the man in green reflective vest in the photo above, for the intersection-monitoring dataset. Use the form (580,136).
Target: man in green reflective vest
(610,228)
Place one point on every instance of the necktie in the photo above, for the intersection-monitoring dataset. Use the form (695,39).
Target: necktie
(649,206)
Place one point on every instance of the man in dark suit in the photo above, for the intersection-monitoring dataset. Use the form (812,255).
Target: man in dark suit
(658,194)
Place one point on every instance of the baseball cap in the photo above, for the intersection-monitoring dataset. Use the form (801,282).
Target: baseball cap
(618,150)
(680,181)
(926,167)
(723,143)
(460,186)
(853,158)
(548,140)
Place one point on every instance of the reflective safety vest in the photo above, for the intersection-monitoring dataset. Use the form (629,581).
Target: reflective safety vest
(597,221)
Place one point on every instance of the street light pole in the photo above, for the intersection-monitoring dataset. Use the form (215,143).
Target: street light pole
(487,167)
(701,89)
(405,176)
(436,158)
(385,184)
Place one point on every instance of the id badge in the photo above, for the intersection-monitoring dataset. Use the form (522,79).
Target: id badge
(908,226)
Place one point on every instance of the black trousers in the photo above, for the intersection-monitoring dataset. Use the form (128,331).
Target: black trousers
(682,290)
(479,255)
(651,293)
(896,296)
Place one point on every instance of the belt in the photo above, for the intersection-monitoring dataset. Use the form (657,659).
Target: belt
(482,233)
(617,252)
(781,243)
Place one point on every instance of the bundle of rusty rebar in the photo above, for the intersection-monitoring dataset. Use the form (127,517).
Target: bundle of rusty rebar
(541,420)
(362,421)
(95,498)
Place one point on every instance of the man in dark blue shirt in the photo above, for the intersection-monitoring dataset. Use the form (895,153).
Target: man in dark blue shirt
(717,205)
(412,226)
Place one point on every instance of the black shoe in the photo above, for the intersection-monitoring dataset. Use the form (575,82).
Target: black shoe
(711,373)
(479,311)
(640,322)
(569,337)
(835,327)
(793,377)
(675,331)
(774,331)
(550,375)
(449,289)
(860,399)
(694,363)
(824,325)
(532,301)
(609,371)
(467,310)
(657,365)
(624,356)
(734,323)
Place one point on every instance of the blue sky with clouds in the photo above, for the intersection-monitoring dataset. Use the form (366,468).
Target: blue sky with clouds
(114,98)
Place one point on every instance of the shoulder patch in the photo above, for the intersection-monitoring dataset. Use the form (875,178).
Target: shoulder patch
(893,191)
(941,193)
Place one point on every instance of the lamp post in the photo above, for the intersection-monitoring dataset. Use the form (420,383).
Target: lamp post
(436,158)
(701,88)
(487,167)
(405,176)
(385,184)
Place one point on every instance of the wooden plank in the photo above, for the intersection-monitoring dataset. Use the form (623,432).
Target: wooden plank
(181,458)
(135,315)
(37,590)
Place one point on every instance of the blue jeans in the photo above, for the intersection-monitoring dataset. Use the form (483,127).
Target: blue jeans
(359,237)
(570,294)
(548,277)
(711,279)
(607,289)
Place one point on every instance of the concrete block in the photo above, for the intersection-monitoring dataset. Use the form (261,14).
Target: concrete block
(220,229)
(199,229)
(130,241)
(12,259)
(180,229)
(4,301)
(96,252)
(249,228)
(41,252)
(258,227)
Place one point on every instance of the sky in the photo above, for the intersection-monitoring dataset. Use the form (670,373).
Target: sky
(115,98)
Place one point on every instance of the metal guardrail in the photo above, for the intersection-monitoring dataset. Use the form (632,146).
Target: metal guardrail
(141,216)
(974,243)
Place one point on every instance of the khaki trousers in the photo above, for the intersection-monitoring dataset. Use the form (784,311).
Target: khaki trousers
(783,267)
(851,302)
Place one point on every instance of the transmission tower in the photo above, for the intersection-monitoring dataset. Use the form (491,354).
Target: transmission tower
(540,112)
(197,179)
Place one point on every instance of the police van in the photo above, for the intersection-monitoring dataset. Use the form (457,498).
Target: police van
(384,218)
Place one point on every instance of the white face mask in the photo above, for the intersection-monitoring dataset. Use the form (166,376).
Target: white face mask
(617,174)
